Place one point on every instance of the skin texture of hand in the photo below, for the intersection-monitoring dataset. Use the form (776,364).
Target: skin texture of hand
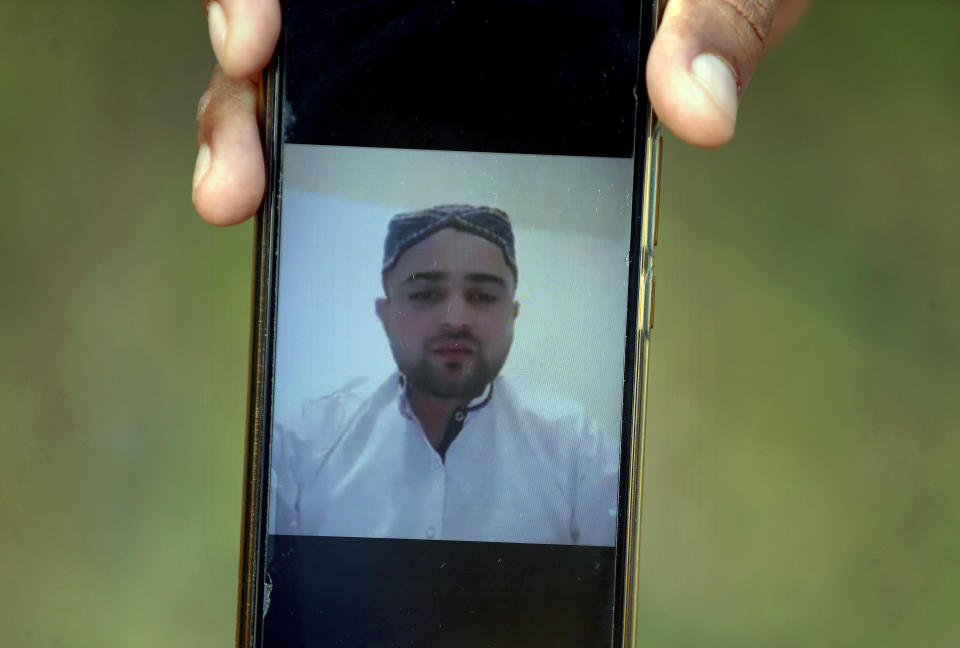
(702,58)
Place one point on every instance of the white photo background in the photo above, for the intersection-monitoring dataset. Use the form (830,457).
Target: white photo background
(570,217)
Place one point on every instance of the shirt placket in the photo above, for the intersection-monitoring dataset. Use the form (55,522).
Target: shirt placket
(437,479)
(437,476)
(432,485)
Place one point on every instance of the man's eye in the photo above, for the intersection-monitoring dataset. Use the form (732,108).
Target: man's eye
(425,296)
(483,298)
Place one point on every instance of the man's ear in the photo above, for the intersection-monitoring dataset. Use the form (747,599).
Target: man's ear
(516,309)
(382,306)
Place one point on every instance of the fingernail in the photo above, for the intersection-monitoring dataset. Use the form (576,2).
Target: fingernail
(716,78)
(203,103)
(202,166)
(217,24)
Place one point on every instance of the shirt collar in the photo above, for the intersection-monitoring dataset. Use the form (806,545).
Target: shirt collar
(404,404)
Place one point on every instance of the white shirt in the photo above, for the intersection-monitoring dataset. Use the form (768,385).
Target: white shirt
(528,468)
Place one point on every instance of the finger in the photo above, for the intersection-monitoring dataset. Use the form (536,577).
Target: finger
(702,58)
(243,33)
(228,178)
(788,15)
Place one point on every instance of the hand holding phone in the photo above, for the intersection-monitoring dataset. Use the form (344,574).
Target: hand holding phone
(455,351)
(228,175)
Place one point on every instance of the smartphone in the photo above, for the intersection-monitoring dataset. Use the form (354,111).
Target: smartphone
(452,309)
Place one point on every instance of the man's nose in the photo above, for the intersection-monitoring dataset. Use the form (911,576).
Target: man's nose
(457,312)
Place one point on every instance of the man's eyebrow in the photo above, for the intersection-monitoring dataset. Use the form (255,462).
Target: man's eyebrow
(426,276)
(484,277)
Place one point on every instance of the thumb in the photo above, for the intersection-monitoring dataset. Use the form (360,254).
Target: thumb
(702,58)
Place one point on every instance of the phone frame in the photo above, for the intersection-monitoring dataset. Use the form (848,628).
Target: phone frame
(641,299)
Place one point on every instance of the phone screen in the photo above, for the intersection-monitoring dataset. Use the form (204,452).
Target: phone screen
(450,382)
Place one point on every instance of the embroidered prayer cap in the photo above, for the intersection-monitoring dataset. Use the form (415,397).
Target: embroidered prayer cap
(406,230)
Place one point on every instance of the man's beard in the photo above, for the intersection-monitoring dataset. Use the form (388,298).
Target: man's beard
(478,371)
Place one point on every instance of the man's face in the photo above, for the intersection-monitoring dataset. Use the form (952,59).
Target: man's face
(449,313)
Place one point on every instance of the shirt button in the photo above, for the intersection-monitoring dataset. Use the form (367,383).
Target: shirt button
(431,532)
(458,416)
(437,463)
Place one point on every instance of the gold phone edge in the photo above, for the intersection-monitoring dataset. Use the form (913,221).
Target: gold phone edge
(631,552)
(251,513)
(650,207)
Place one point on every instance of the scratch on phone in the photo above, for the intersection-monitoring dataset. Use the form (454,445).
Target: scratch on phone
(267,589)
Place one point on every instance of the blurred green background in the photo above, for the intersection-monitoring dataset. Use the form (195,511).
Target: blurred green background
(804,417)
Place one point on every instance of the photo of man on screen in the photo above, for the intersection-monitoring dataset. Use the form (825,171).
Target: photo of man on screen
(446,447)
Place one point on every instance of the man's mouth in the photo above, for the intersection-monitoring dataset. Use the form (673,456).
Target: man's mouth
(454,349)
